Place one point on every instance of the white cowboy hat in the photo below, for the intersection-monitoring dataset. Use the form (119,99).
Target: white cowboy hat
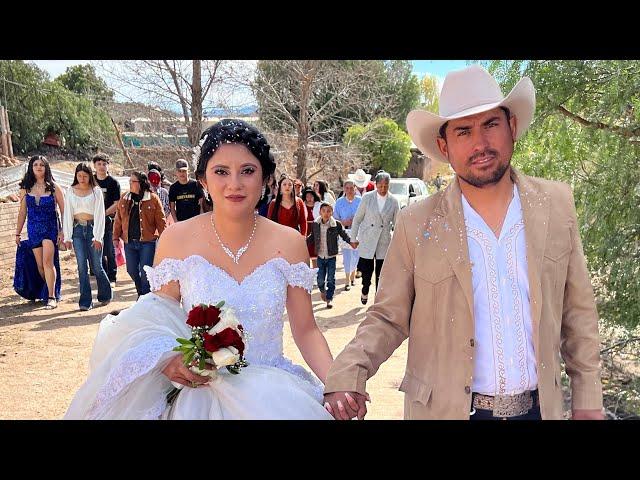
(467,92)
(360,178)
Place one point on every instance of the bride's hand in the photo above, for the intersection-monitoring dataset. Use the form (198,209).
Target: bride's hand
(177,372)
(346,405)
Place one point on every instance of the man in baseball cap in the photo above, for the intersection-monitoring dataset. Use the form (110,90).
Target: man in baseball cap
(185,195)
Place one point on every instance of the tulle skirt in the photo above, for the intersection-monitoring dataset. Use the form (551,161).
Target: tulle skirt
(258,392)
(126,379)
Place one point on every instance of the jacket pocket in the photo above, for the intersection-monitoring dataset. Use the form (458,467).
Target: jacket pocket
(416,389)
(558,245)
(434,272)
(556,262)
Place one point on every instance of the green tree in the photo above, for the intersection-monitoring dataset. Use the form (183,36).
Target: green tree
(37,106)
(75,118)
(587,133)
(384,142)
(405,87)
(320,100)
(84,80)
(25,102)
(430,93)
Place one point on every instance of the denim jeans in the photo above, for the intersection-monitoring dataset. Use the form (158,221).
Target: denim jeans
(327,269)
(83,246)
(139,254)
(109,252)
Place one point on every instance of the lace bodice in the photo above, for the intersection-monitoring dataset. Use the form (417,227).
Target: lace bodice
(258,301)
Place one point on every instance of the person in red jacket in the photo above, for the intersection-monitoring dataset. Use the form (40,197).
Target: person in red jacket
(287,208)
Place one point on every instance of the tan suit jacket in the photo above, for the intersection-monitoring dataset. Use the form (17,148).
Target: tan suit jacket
(426,294)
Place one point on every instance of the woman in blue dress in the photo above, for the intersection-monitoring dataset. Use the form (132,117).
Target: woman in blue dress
(37,273)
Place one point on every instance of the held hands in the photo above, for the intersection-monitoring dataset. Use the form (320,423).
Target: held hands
(97,245)
(69,245)
(346,405)
(354,244)
(177,372)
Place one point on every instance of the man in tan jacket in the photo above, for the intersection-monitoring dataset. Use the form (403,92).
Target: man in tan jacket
(487,278)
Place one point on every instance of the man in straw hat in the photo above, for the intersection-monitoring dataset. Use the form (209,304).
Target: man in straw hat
(487,278)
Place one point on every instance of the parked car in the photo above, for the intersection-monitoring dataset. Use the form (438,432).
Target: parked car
(408,190)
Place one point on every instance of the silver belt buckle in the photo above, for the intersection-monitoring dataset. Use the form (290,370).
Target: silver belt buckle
(512,405)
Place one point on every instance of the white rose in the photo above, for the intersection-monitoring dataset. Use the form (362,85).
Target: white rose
(228,319)
(224,357)
(230,314)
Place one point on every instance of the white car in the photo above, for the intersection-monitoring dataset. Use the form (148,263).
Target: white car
(408,190)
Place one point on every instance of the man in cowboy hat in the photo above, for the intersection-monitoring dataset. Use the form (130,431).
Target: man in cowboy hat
(486,278)
(362,182)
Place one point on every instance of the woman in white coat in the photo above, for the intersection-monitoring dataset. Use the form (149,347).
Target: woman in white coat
(372,227)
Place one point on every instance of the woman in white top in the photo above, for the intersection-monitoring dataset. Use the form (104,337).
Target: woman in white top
(322,189)
(83,227)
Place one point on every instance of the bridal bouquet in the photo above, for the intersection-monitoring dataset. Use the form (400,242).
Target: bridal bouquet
(217,339)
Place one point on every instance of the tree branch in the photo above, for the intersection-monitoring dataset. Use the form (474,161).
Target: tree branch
(622,344)
(625,132)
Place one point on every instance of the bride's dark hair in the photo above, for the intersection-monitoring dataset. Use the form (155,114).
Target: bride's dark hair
(233,131)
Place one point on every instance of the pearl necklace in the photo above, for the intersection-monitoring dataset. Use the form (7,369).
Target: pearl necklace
(235,257)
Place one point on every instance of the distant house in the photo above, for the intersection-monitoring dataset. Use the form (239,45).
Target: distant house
(208,121)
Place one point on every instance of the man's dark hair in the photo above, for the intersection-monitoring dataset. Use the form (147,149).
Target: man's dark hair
(101,157)
(443,134)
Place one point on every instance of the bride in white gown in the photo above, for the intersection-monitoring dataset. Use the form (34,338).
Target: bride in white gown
(256,266)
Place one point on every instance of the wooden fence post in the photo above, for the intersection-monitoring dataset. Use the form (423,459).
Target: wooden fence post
(124,150)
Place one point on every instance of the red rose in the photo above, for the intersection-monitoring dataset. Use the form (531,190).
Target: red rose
(226,338)
(211,342)
(203,316)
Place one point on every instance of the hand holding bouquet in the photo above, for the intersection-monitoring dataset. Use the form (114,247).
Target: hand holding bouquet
(217,339)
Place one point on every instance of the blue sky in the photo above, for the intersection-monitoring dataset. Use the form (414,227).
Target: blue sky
(439,68)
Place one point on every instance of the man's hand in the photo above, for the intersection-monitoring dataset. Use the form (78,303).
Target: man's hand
(587,415)
(346,405)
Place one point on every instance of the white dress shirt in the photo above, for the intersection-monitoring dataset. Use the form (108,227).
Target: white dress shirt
(505,360)
(381,201)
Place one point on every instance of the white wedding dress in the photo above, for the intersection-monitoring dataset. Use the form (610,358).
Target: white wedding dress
(132,348)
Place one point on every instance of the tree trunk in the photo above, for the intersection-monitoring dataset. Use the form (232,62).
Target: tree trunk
(195,130)
(121,143)
(303,122)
